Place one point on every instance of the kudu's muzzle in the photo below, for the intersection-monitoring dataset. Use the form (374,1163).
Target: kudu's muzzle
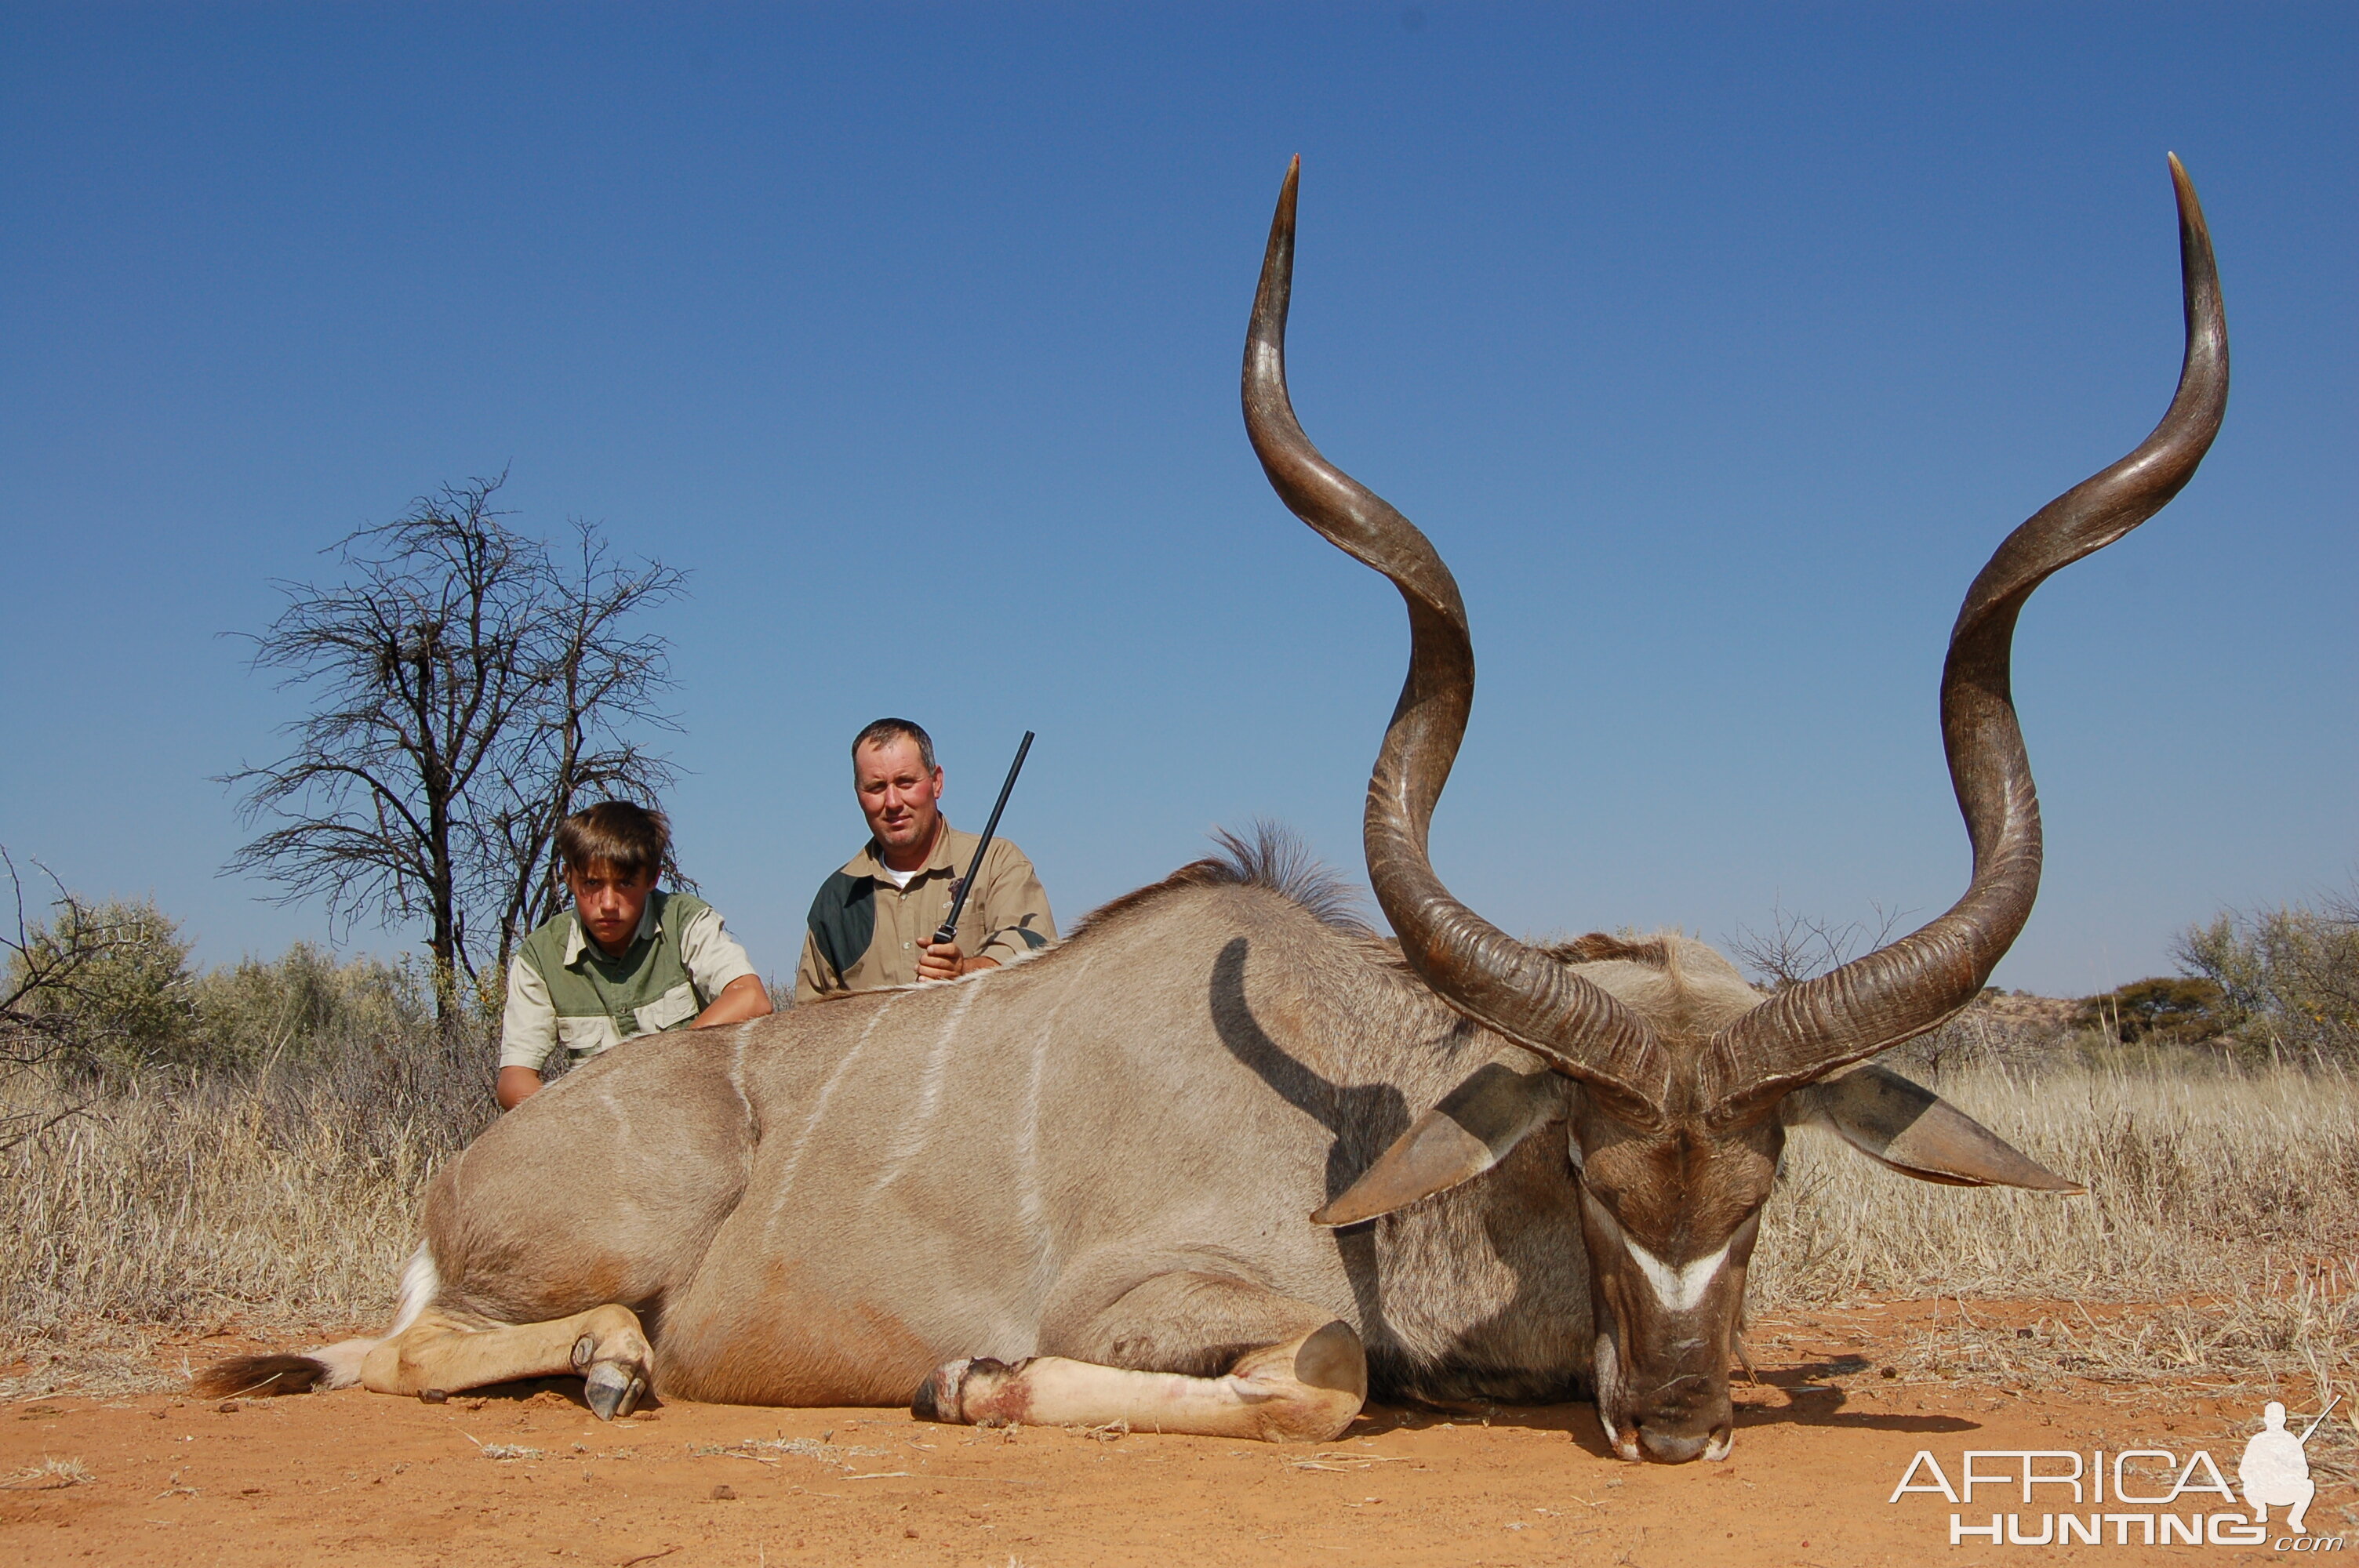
(1665,1334)
(1686,1417)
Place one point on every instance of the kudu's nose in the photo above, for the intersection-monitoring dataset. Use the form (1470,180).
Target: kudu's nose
(1677,1447)
(1686,1418)
(1671,1448)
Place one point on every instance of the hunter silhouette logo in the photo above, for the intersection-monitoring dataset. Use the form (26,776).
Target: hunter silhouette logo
(2276,1467)
(2134,1497)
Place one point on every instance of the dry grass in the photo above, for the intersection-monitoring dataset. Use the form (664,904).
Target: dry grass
(2200,1181)
(504,1451)
(2216,1253)
(48,1475)
(280,1205)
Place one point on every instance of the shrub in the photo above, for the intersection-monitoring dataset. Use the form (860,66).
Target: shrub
(2289,977)
(304,1005)
(2163,1010)
(1995,1027)
(115,976)
(104,990)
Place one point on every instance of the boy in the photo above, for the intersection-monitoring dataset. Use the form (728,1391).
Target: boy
(626,961)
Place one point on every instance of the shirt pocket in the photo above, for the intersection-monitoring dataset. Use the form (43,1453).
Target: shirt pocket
(675,1006)
(588,1035)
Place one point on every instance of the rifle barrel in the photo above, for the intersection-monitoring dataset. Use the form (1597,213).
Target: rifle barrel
(949,932)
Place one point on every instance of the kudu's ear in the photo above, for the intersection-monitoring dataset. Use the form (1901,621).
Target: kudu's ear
(1497,1105)
(1917,1132)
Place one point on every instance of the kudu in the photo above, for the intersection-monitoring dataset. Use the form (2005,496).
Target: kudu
(1073,1190)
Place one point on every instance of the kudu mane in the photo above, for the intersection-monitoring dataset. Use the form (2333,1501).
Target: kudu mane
(1685,988)
(1270,858)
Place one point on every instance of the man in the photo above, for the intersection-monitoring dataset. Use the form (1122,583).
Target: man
(626,960)
(2275,1469)
(873,924)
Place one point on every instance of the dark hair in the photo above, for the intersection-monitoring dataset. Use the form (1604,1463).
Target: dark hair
(631,839)
(886,730)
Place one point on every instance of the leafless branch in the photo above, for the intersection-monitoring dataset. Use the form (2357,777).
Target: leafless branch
(1798,948)
(41,995)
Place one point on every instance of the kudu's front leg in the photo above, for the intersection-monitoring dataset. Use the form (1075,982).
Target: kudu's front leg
(605,1344)
(1187,1352)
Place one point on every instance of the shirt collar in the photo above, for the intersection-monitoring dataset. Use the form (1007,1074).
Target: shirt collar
(870,861)
(577,941)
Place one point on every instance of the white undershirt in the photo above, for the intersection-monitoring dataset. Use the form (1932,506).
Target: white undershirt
(898,878)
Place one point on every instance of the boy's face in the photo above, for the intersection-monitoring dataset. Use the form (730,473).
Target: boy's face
(610,904)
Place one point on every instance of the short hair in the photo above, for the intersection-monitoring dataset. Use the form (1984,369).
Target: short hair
(631,839)
(887,729)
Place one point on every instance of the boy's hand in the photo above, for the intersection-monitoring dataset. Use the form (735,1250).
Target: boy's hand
(741,998)
(515,1085)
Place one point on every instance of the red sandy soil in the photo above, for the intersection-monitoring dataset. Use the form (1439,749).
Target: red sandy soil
(353,1477)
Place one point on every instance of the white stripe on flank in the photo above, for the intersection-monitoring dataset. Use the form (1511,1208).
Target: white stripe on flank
(622,1117)
(1680,1288)
(915,1132)
(819,1105)
(1027,1143)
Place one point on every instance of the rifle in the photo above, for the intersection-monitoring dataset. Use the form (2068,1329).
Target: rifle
(949,932)
(2322,1417)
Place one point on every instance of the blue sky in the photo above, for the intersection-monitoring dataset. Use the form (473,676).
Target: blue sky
(1714,347)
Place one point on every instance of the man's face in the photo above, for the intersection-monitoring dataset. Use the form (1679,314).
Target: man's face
(610,904)
(898,795)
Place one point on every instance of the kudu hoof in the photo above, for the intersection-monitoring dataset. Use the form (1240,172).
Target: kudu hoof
(612,1390)
(612,1358)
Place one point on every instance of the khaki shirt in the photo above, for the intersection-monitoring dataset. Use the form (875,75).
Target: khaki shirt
(864,933)
(561,988)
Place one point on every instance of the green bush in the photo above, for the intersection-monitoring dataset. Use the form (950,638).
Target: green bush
(2184,1010)
(2289,977)
(303,1005)
(108,986)
(120,982)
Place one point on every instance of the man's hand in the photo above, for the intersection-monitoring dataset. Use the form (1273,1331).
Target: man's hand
(741,998)
(942,961)
(515,1085)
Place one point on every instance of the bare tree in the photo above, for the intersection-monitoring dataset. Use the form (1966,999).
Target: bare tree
(471,692)
(598,682)
(1798,948)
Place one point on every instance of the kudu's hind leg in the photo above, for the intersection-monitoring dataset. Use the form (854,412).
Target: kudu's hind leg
(604,1344)
(1184,1353)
